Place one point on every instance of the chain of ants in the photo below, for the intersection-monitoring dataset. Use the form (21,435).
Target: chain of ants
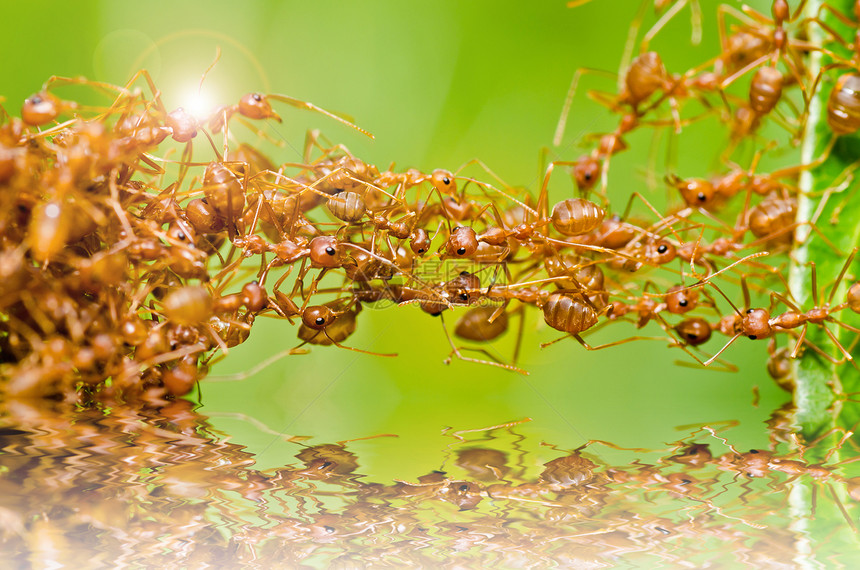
(116,283)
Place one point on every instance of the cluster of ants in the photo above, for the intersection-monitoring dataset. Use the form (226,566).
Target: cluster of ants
(125,269)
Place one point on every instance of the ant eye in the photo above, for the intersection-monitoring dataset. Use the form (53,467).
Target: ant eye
(329,529)
(752,336)
(753,450)
(180,236)
(320,321)
(330,250)
(464,297)
(446,180)
(257,97)
(35,99)
(464,488)
(749,311)
(588,176)
(461,251)
(701,196)
(662,248)
(683,302)
(420,250)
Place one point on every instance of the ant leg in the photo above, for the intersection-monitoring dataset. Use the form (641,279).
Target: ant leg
(841,275)
(728,344)
(629,44)
(755,16)
(827,356)
(743,71)
(662,219)
(520,331)
(838,344)
(311,107)
(587,346)
(661,23)
(456,351)
(565,110)
(723,365)
(778,297)
(796,351)
(337,344)
(792,227)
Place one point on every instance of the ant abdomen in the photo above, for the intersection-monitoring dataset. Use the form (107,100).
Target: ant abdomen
(568,313)
(765,90)
(645,76)
(576,216)
(475,324)
(694,331)
(347,206)
(843,105)
(189,305)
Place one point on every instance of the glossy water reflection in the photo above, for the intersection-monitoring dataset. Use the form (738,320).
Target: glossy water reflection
(116,488)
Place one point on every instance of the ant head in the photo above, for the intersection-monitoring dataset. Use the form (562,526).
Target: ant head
(463,288)
(694,331)
(463,242)
(318,317)
(183,125)
(661,252)
(254,296)
(40,109)
(420,241)
(695,192)
(180,232)
(325,251)
(257,106)
(443,181)
(586,172)
(203,217)
(611,144)
(680,300)
(180,379)
(756,324)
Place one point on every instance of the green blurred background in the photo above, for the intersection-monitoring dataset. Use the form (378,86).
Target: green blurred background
(438,83)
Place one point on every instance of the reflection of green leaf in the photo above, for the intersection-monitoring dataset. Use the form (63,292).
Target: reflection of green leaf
(829,189)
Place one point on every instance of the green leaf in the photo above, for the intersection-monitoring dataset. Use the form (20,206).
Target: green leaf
(829,203)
